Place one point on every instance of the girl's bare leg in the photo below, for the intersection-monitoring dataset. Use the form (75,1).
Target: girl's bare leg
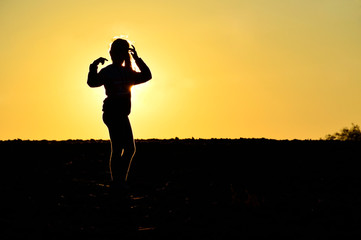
(123,150)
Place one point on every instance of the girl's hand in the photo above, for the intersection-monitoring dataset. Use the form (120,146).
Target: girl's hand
(100,60)
(134,52)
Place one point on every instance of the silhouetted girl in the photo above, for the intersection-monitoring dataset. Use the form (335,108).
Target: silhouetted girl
(118,78)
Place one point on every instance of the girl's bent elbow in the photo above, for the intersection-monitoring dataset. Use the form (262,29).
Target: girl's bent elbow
(92,85)
(149,77)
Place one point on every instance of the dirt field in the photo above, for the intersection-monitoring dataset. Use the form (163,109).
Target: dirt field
(210,189)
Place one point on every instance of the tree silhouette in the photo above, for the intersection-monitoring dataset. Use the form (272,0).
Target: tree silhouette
(346,134)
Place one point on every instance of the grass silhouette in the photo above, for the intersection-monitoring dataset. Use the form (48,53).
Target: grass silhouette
(210,188)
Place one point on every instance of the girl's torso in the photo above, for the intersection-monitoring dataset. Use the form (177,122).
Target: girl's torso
(117,81)
(117,84)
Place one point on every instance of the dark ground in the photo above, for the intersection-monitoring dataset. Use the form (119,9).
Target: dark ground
(206,189)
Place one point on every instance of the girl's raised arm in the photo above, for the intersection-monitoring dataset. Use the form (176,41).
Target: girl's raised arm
(93,77)
(145,74)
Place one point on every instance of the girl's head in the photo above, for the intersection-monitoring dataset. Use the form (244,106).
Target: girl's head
(119,52)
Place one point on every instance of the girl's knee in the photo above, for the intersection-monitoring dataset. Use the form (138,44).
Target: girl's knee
(133,149)
(117,153)
(130,149)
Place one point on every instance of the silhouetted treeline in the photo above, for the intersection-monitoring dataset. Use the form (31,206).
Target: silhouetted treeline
(346,134)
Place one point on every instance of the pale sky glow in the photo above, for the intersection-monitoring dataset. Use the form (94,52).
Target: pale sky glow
(280,69)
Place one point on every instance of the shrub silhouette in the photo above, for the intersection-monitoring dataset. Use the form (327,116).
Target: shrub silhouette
(346,134)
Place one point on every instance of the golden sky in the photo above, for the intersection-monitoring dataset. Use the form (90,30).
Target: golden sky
(279,69)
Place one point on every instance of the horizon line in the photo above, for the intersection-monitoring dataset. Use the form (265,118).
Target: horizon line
(164,139)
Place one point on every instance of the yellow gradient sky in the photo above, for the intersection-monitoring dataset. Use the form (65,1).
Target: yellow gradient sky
(280,69)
